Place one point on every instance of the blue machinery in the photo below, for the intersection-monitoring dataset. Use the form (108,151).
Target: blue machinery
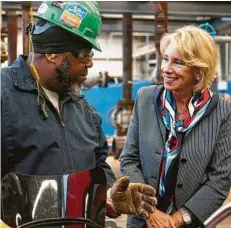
(104,100)
(226,89)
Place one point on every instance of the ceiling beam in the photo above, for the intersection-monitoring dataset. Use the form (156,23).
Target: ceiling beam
(211,8)
(218,9)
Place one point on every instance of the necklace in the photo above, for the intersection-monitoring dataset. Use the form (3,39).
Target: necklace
(181,116)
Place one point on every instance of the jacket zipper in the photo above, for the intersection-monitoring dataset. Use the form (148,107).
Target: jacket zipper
(62,125)
(58,114)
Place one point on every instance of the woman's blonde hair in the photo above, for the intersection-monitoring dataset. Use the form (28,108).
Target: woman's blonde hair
(197,49)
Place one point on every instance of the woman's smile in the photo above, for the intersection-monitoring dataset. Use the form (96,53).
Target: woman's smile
(170,79)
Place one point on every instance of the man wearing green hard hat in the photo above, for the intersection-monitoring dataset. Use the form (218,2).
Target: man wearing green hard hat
(79,18)
(48,128)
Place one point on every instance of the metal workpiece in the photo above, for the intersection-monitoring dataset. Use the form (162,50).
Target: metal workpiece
(38,201)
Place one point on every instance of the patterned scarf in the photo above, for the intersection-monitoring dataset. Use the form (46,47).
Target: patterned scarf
(196,108)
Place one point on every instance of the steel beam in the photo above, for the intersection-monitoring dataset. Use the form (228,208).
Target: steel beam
(218,9)
(142,26)
(188,8)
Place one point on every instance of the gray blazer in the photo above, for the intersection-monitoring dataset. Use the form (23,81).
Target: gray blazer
(204,174)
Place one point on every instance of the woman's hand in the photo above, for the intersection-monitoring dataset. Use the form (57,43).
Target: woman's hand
(159,219)
(178,220)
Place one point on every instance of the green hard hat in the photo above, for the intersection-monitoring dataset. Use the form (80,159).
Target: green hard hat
(81,18)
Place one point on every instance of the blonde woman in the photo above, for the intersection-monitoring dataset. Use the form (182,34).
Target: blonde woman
(179,137)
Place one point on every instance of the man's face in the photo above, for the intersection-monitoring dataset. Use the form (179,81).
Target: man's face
(73,69)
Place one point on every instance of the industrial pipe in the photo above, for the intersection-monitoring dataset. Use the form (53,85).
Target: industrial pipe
(161,9)
(127,56)
(12,28)
(223,39)
(26,20)
(123,112)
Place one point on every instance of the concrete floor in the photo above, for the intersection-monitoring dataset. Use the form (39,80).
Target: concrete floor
(121,221)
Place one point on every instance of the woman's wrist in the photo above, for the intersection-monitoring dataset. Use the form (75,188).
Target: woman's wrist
(178,219)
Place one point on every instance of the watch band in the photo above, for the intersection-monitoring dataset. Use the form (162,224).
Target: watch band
(186,216)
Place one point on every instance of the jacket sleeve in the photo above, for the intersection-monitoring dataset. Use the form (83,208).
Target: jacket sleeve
(5,136)
(130,157)
(101,154)
(211,195)
(101,151)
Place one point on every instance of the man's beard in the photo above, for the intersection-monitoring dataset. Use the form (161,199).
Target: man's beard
(63,76)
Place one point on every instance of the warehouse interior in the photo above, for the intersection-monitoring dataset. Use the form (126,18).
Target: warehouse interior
(130,57)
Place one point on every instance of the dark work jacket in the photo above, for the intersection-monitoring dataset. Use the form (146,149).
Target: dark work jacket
(32,144)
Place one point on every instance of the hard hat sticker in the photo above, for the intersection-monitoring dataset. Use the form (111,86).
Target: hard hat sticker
(43,8)
(73,15)
(59,4)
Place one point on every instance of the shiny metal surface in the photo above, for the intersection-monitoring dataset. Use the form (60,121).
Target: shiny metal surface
(28,199)
(218,216)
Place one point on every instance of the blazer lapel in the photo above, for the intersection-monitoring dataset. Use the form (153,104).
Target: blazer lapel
(157,107)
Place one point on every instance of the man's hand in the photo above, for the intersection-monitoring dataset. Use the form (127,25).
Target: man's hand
(159,219)
(134,198)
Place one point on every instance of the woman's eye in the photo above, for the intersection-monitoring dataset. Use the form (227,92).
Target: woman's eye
(180,62)
(165,59)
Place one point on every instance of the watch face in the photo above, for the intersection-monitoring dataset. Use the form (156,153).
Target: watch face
(186,218)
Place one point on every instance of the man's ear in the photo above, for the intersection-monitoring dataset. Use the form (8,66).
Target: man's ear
(51,57)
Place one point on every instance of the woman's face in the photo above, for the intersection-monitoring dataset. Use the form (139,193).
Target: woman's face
(176,75)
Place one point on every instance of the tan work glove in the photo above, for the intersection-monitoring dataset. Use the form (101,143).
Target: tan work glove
(134,198)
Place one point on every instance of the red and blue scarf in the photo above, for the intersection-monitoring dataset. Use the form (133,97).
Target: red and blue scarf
(196,108)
